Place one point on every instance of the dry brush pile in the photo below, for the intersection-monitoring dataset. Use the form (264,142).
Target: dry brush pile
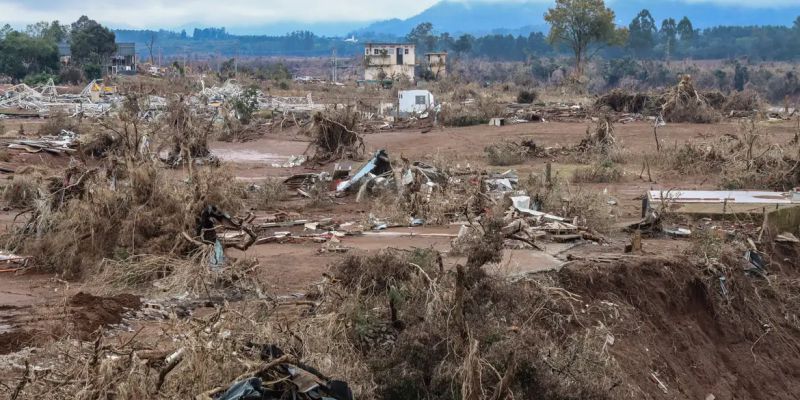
(334,137)
(117,199)
(746,159)
(682,103)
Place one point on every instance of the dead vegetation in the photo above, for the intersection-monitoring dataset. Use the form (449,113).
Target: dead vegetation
(334,137)
(507,153)
(476,110)
(682,103)
(126,204)
(619,100)
(72,227)
(396,324)
(601,172)
(23,190)
(599,139)
(402,324)
(744,159)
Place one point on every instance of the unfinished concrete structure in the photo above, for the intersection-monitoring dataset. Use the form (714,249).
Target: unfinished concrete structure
(389,61)
(123,61)
(437,64)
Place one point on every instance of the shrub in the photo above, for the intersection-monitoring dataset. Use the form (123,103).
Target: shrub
(603,172)
(505,153)
(71,75)
(22,191)
(527,96)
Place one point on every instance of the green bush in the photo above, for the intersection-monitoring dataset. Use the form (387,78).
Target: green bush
(39,79)
(93,71)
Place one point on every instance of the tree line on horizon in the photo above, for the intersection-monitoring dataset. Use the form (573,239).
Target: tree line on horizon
(32,54)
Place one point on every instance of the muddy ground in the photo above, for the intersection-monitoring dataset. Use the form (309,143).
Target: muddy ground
(36,309)
(291,268)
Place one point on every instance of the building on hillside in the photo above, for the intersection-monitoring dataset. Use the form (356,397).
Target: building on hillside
(64,53)
(123,61)
(437,64)
(389,61)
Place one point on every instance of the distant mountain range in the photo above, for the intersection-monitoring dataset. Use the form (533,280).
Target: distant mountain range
(521,17)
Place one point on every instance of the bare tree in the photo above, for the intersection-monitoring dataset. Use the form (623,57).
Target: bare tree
(150,43)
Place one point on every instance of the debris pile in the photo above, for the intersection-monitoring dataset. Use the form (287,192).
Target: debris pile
(621,101)
(600,139)
(231,90)
(334,136)
(685,104)
(21,100)
(682,103)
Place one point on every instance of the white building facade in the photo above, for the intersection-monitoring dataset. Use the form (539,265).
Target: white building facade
(389,61)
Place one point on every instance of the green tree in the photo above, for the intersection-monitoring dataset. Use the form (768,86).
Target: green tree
(740,76)
(797,24)
(246,105)
(445,41)
(722,78)
(22,55)
(642,33)
(51,31)
(580,24)
(686,30)
(668,34)
(463,44)
(91,42)
(422,36)
(93,70)
(5,30)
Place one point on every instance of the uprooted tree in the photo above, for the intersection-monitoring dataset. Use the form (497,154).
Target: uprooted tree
(334,136)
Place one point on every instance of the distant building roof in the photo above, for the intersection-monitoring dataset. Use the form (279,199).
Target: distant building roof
(126,49)
(437,53)
(389,44)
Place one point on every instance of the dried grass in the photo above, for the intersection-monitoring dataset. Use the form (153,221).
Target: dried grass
(71,228)
(23,190)
(475,111)
(748,101)
(744,160)
(506,153)
(600,139)
(267,194)
(397,325)
(619,100)
(601,172)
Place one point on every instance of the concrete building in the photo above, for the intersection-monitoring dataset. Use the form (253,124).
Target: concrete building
(389,61)
(437,64)
(123,61)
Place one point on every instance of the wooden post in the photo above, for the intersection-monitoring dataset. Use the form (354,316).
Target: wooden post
(548,174)
(655,133)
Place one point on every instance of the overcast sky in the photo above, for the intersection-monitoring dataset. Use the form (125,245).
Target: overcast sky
(232,13)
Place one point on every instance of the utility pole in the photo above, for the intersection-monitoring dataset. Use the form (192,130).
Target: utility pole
(333,62)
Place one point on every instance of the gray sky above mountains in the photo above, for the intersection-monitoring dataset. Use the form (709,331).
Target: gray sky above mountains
(233,13)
